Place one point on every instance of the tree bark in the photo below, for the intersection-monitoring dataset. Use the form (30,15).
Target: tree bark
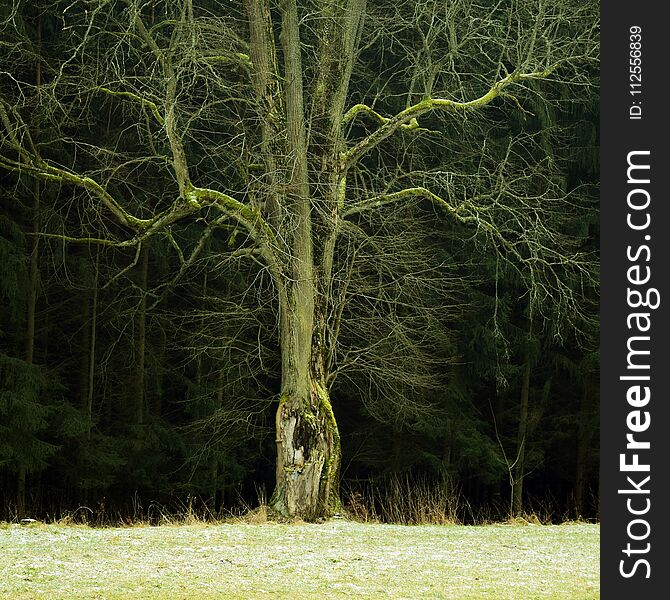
(30,330)
(266,83)
(307,437)
(21,492)
(85,346)
(217,488)
(447,447)
(308,440)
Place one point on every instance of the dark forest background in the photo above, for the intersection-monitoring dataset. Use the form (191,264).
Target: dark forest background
(122,385)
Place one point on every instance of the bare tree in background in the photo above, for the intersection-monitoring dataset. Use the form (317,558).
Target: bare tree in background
(258,114)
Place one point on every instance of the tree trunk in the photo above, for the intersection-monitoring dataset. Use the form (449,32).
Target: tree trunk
(308,449)
(89,317)
(215,456)
(308,443)
(307,437)
(34,277)
(92,340)
(21,492)
(30,332)
(519,466)
(583,438)
(34,282)
(447,447)
(85,346)
(140,342)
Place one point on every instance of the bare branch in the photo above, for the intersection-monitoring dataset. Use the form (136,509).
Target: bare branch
(409,115)
(144,101)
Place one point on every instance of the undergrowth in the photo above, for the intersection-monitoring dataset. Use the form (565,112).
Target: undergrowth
(394,500)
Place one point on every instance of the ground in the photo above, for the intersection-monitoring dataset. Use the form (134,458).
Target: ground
(337,559)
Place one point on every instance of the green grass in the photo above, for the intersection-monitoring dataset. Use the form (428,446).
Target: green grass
(333,560)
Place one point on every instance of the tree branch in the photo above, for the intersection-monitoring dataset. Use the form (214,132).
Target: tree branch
(149,103)
(415,192)
(409,115)
(87,240)
(180,163)
(43,170)
(465,212)
(249,217)
(358,109)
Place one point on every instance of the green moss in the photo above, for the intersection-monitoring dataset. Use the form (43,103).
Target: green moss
(341,191)
(424,105)
(191,196)
(309,418)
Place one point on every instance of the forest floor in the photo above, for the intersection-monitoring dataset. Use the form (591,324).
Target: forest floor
(336,559)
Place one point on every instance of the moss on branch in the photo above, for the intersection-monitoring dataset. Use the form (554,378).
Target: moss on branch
(408,117)
(237,58)
(415,192)
(48,172)
(248,216)
(136,98)
(194,199)
(358,109)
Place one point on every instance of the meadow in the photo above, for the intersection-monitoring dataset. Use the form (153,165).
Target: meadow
(336,559)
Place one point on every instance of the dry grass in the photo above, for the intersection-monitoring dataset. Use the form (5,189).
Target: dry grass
(406,501)
(337,559)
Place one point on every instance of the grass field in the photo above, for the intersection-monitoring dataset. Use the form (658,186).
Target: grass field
(337,559)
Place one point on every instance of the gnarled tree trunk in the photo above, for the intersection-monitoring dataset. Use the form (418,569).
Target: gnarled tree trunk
(307,437)
(308,453)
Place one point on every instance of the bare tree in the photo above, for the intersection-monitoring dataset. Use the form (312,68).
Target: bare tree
(294,123)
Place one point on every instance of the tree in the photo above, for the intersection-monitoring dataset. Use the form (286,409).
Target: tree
(254,114)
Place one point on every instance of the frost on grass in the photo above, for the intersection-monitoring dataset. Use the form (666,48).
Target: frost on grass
(336,559)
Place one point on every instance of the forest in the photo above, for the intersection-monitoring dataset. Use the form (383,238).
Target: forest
(300,251)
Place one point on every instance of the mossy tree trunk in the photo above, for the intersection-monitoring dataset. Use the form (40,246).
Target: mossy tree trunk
(307,437)
(308,445)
